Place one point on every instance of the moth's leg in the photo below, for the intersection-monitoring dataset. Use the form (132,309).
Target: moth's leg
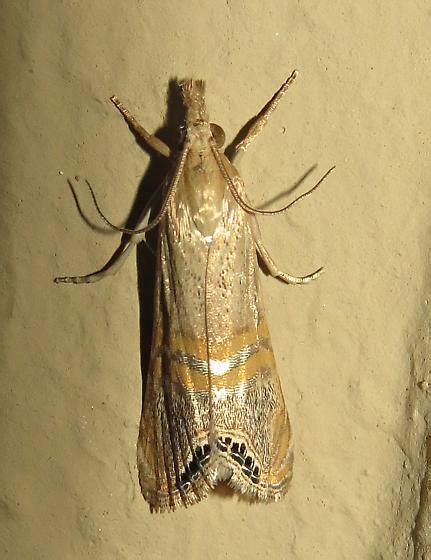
(140,131)
(284,276)
(109,270)
(270,264)
(117,260)
(262,118)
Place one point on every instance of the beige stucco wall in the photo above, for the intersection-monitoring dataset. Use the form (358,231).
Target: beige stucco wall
(352,347)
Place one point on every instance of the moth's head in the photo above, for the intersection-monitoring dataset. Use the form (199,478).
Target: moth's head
(194,101)
(198,127)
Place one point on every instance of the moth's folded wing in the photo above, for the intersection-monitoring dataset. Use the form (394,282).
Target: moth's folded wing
(172,454)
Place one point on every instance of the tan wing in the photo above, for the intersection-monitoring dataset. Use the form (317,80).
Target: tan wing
(213,409)
(250,414)
(168,445)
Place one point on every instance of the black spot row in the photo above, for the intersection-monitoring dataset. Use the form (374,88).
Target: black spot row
(238,452)
(201,456)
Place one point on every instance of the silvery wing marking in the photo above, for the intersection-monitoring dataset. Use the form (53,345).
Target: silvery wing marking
(219,367)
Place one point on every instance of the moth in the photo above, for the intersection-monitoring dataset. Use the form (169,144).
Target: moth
(213,410)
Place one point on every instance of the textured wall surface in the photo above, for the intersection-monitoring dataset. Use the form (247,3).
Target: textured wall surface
(352,347)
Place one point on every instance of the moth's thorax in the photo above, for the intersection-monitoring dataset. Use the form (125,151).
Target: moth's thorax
(203,185)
